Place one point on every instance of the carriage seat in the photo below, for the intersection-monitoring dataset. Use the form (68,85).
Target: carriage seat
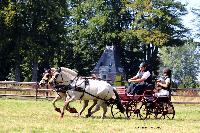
(163,99)
(148,89)
(149,95)
(122,93)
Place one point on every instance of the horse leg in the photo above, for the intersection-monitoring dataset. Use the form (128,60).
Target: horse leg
(85,104)
(97,108)
(66,106)
(58,97)
(90,109)
(104,106)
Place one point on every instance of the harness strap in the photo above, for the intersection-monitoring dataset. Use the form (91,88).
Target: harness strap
(82,95)
(69,87)
(94,96)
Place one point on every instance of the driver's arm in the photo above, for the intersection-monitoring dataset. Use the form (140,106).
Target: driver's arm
(138,80)
(133,78)
(144,77)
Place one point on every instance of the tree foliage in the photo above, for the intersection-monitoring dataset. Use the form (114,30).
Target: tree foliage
(34,30)
(184,61)
(196,11)
(74,33)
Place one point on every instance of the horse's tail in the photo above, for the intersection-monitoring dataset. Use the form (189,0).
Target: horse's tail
(118,102)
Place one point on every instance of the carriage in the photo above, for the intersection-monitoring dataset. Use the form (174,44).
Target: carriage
(123,105)
(143,106)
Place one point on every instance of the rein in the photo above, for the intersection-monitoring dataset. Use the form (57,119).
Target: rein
(69,87)
(94,96)
(83,90)
(63,87)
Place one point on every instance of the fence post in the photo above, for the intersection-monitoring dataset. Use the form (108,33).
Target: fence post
(36,91)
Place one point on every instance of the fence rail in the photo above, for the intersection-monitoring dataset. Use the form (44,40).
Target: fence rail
(25,89)
(32,90)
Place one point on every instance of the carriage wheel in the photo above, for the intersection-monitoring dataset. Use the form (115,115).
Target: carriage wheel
(169,111)
(131,109)
(116,112)
(158,111)
(143,111)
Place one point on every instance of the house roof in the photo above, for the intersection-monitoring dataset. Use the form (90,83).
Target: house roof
(109,61)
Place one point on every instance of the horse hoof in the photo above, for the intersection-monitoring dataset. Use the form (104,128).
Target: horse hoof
(88,115)
(58,110)
(62,115)
(72,110)
(103,117)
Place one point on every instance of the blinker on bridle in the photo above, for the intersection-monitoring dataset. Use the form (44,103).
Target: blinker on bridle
(56,76)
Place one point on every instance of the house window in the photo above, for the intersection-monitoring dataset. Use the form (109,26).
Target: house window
(104,77)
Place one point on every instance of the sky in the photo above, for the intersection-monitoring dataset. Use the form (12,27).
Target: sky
(187,19)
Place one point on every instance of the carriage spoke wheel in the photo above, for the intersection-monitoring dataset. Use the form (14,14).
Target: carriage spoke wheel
(169,111)
(158,111)
(150,110)
(143,111)
(131,109)
(116,112)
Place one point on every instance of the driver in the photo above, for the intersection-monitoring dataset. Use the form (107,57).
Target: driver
(142,80)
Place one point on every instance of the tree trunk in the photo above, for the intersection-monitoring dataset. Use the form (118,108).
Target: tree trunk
(145,52)
(148,52)
(17,60)
(17,72)
(34,71)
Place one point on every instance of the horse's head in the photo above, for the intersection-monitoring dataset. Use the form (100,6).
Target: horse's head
(46,77)
(63,76)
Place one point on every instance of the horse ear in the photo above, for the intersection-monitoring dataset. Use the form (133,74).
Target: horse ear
(49,70)
(59,69)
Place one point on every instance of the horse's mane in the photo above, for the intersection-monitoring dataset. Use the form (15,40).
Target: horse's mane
(66,71)
(70,73)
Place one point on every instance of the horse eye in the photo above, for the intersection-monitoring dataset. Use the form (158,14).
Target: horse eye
(56,75)
(48,76)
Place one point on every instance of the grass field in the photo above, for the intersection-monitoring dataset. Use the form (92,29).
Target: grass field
(29,116)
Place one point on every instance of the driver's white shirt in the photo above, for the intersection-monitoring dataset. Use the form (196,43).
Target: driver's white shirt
(144,75)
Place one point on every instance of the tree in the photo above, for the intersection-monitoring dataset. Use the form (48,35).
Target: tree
(34,29)
(94,24)
(46,31)
(75,33)
(11,36)
(184,62)
(154,23)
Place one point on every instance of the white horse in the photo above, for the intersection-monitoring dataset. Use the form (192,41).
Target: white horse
(85,89)
(60,93)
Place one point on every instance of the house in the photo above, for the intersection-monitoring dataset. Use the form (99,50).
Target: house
(108,67)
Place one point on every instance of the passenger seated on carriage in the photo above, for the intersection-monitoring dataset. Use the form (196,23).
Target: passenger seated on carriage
(165,84)
(141,81)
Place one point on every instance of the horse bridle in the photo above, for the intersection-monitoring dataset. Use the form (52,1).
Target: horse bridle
(56,76)
(46,77)
(59,73)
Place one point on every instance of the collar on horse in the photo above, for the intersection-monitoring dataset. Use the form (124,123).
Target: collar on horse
(64,88)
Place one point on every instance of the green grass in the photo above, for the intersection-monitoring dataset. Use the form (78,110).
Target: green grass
(30,116)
